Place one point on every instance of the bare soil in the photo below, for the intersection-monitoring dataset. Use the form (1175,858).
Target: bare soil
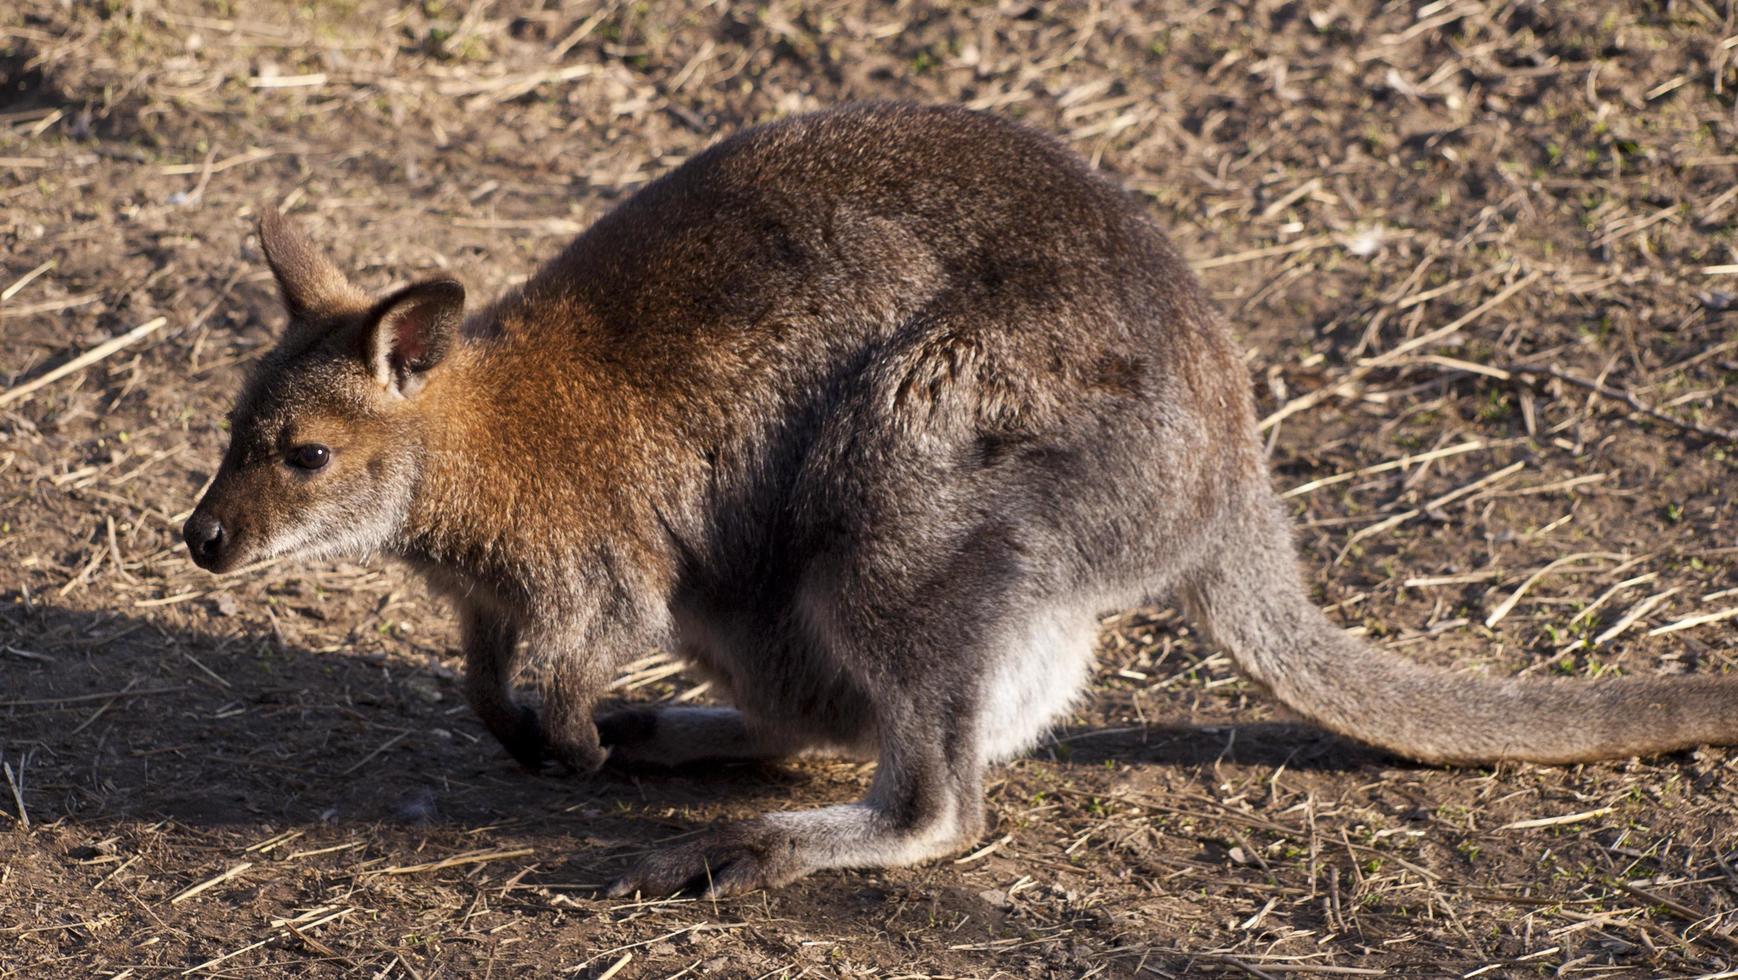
(1496,239)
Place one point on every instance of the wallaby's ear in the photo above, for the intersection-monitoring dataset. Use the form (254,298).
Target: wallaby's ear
(313,287)
(410,332)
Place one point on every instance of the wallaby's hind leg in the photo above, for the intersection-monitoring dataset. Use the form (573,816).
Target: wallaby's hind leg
(679,734)
(916,659)
(490,644)
(926,802)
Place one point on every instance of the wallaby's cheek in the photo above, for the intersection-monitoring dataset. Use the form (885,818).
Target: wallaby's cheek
(350,508)
(260,514)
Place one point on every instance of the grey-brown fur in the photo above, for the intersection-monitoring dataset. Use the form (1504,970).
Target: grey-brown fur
(866,414)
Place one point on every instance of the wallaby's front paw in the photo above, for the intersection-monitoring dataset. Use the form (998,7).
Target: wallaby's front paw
(570,734)
(733,860)
(580,756)
(570,729)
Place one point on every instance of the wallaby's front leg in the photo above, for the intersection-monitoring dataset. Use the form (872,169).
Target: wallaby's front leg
(570,686)
(570,694)
(490,644)
(577,664)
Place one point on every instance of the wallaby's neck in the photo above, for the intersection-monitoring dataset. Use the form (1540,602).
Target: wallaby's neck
(490,425)
(535,456)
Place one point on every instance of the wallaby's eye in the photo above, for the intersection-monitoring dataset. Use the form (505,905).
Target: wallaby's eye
(310,457)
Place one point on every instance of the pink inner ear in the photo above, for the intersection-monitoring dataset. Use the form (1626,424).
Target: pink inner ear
(410,331)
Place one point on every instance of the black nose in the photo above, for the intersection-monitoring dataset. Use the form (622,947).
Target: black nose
(205,539)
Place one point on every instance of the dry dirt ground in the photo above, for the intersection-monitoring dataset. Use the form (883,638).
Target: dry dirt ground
(1482,253)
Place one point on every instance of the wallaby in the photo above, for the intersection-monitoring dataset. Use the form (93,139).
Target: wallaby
(867,414)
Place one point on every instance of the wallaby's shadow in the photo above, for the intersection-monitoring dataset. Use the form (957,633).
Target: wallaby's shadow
(1294,745)
(125,720)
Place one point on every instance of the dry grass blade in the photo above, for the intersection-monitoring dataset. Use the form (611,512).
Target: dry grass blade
(15,782)
(616,967)
(1633,615)
(1371,365)
(1508,605)
(84,360)
(131,692)
(1567,818)
(389,743)
(1404,462)
(1693,621)
(24,280)
(475,857)
(1396,520)
(209,883)
(1250,255)
(208,964)
(1626,397)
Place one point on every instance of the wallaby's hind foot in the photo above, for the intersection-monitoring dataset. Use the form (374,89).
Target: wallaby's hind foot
(778,848)
(732,860)
(925,802)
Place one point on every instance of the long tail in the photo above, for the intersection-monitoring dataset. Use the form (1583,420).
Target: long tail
(1250,598)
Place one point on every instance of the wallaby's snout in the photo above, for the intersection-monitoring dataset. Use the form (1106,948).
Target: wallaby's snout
(205,539)
(217,534)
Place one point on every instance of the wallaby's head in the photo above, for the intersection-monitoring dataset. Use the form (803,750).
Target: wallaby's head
(326,440)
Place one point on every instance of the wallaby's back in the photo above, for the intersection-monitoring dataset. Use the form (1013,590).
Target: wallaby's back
(807,300)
